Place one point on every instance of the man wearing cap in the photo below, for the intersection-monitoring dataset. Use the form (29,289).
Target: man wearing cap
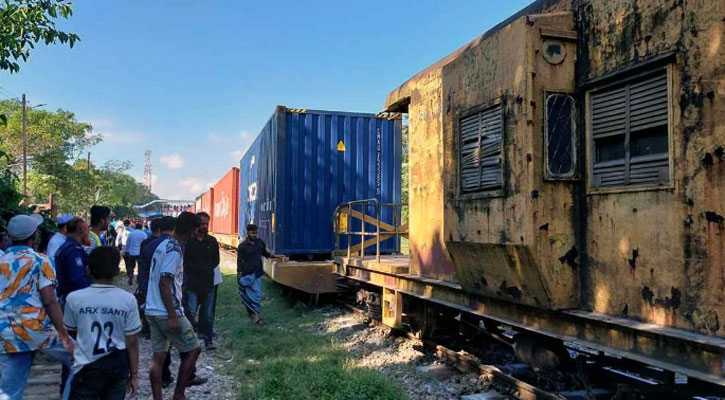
(59,238)
(28,308)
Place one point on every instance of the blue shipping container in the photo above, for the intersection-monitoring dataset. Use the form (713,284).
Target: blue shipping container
(305,163)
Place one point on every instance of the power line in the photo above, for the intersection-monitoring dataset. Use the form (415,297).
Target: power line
(14,96)
(7,96)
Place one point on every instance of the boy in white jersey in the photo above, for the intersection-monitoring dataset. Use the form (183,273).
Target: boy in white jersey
(106,323)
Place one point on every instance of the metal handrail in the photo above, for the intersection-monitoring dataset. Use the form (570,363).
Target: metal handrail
(349,205)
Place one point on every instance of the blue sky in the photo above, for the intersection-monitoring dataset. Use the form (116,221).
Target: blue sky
(194,81)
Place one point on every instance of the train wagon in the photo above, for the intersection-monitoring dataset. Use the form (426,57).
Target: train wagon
(300,167)
(306,162)
(567,179)
(224,218)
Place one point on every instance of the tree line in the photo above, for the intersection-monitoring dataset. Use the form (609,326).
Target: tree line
(57,142)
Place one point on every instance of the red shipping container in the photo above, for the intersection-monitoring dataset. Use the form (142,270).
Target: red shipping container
(225,219)
(207,205)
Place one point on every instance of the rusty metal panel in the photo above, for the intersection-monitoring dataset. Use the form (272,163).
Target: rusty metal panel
(657,255)
(507,272)
(309,277)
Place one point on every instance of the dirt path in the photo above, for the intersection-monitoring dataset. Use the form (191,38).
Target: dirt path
(218,385)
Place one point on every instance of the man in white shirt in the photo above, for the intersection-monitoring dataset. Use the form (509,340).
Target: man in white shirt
(106,322)
(164,310)
(59,238)
(133,250)
(122,230)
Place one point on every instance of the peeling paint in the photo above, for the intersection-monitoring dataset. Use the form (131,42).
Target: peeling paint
(708,161)
(714,217)
(570,258)
(512,291)
(648,295)
(633,261)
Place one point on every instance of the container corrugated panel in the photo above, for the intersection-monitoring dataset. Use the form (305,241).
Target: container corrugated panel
(207,205)
(304,164)
(226,207)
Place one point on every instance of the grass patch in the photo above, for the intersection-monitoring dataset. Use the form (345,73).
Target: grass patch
(289,358)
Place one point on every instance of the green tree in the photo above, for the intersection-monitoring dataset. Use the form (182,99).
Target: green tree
(24,23)
(57,142)
(78,186)
(53,137)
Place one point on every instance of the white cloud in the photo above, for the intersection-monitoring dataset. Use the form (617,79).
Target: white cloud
(192,185)
(245,135)
(173,161)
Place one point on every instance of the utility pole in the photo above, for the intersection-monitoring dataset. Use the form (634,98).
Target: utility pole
(25,148)
(147,169)
(89,162)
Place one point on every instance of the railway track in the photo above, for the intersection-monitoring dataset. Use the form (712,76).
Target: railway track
(501,382)
(589,375)
(44,381)
(595,378)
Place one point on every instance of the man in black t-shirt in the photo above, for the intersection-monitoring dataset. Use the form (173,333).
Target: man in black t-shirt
(201,256)
(250,271)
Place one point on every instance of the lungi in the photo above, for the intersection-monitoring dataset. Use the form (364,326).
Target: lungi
(250,291)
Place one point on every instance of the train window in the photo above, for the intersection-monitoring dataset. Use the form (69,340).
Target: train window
(629,127)
(480,143)
(560,136)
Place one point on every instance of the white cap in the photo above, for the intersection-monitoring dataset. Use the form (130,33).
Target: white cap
(22,227)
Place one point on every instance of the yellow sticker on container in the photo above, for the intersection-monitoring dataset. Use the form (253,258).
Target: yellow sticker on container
(341,146)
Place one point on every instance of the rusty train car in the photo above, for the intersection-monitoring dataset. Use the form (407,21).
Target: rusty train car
(567,178)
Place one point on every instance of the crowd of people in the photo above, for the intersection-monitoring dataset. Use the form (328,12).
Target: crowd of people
(61,299)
